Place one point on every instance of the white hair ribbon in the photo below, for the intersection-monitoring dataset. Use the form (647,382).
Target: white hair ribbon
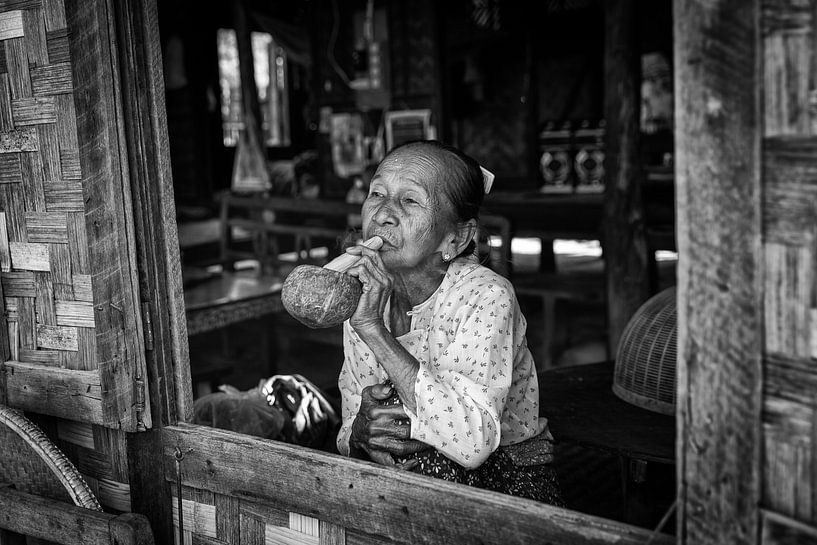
(487,179)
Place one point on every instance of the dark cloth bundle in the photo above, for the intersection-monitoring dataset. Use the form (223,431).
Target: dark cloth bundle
(286,408)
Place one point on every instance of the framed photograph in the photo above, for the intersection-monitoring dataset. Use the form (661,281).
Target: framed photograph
(407,125)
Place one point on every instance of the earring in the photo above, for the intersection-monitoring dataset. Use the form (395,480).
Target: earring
(446,257)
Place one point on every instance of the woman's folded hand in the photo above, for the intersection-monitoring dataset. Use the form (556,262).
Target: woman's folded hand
(383,431)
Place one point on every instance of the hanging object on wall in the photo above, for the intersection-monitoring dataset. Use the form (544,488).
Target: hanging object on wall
(555,163)
(407,125)
(588,141)
(348,157)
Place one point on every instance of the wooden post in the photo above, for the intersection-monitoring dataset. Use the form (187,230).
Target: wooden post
(624,240)
(720,329)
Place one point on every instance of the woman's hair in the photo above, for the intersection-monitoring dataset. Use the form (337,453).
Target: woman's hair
(463,183)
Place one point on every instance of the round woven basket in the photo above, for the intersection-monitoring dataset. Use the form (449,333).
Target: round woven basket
(34,464)
(645,363)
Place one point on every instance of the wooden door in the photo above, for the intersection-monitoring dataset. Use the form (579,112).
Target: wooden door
(746,83)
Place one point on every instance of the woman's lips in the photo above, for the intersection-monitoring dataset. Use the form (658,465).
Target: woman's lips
(386,239)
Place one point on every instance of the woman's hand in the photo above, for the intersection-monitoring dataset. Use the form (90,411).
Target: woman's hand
(377,288)
(383,430)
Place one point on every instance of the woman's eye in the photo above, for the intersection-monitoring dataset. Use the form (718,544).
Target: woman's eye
(409,200)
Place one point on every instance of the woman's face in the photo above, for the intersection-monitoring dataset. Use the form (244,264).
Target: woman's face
(406,211)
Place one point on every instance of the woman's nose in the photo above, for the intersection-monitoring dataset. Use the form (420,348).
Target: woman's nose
(385,214)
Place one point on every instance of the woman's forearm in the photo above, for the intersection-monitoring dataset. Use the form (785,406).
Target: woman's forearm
(401,366)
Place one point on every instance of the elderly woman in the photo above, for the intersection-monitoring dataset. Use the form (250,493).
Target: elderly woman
(437,376)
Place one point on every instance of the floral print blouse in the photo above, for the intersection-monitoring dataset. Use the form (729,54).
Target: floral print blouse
(477,387)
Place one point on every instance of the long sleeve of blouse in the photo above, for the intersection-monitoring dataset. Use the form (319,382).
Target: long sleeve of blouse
(476,386)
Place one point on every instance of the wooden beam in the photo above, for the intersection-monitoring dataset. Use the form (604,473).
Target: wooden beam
(154,212)
(61,522)
(624,240)
(108,222)
(45,389)
(398,506)
(719,282)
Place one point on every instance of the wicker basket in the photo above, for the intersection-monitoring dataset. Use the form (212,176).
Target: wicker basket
(645,363)
(33,464)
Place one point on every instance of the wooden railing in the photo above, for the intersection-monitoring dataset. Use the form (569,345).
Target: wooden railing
(241,488)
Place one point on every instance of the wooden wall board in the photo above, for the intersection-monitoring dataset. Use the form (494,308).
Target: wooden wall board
(108,213)
(57,392)
(719,269)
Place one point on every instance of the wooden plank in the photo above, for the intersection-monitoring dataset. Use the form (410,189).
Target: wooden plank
(69,163)
(410,507)
(63,197)
(131,529)
(17,66)
(6,122)
(75,313)
(16,141)
(787,45)
(53,520)
(49,152)
(44,301)
(5,251)
(149,494)
(57,44)
(10,170)
(47,227)
(75,395)
(719,291)
(18,284)
(781,530)
(33,200)
(199,518)
(34,29)
(790,377)
(77,433)
(153,208)
(53,79)
(108,217)
(57,338)
(114,495)
(54,14)
(29,257)
(62,281)
(332,534)
(788,476)
(624,243)
(789,288)
(790,190)
(50,358)
(228,518)
(11,25)
(9,5)
(33,111)
(83,290)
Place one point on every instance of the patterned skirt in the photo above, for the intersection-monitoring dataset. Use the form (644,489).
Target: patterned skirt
(524,469)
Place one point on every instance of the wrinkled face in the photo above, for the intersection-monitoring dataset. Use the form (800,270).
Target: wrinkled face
(404,208)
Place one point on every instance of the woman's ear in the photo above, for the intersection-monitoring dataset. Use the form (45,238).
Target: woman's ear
(464,234)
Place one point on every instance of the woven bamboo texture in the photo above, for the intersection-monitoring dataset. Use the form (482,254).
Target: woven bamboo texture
(34,464)
(647,352)
(788,258)
(44,262)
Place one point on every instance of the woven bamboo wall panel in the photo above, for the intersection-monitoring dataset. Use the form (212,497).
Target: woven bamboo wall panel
(789,212)
(209,516)
(43,243)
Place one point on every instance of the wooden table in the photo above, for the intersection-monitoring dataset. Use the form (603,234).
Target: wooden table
(228,298)
(581,407)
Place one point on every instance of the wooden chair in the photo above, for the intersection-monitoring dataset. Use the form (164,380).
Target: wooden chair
(42,495)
